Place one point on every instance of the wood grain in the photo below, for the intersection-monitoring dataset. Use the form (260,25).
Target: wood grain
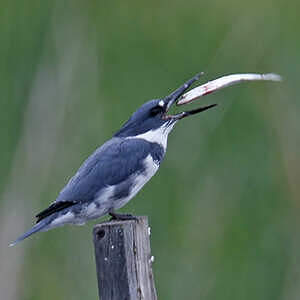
(123,260)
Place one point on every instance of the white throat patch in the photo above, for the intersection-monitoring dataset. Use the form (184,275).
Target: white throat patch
(159,135)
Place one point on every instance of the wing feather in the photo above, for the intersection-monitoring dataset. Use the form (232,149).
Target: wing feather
(54,207)
(109,165)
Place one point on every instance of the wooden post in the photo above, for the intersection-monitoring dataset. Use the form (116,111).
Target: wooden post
(123,260)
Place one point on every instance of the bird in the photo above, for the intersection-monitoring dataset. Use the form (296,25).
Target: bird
(117,170)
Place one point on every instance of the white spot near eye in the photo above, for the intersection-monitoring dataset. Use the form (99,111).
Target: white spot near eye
(161,103)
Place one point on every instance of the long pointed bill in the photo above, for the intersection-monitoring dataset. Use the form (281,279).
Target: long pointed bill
(185,114)
(169,100)
(222,82)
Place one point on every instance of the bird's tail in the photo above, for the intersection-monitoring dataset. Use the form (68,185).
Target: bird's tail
(41,226)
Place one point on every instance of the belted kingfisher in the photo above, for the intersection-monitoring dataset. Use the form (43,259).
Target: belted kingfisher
(117,170)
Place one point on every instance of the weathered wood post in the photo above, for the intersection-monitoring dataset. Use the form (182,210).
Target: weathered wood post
(123,260)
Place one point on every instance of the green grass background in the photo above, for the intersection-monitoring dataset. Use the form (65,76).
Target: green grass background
(224,207)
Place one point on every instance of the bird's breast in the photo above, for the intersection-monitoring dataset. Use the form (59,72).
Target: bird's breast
(136,181)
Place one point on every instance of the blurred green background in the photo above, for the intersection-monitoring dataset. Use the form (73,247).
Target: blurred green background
(223,208)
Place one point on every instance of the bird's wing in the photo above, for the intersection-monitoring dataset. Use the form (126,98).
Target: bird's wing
(54,207)
(109,165)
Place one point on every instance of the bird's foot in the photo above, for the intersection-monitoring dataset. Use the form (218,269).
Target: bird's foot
(122,217)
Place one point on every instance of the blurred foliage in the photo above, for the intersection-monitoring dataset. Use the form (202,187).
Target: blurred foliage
(224,206)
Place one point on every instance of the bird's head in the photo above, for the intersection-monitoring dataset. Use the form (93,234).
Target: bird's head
(153,115)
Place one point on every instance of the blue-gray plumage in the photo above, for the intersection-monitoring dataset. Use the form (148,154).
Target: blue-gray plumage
(117,170)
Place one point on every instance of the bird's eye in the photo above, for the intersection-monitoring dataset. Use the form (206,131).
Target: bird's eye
(156,110)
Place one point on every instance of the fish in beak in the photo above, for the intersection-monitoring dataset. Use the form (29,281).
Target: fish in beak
(176,95)
(181,97)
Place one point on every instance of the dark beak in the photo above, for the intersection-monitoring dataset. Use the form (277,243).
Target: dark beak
(172,98)
(191,112)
